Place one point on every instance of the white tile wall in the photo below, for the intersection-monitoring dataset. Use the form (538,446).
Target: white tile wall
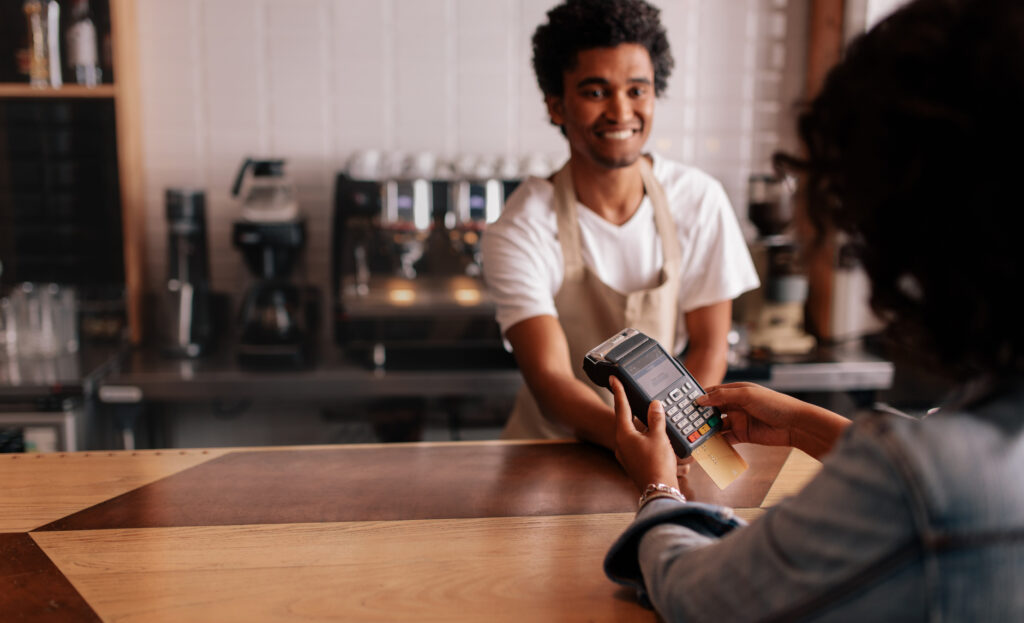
(315,80)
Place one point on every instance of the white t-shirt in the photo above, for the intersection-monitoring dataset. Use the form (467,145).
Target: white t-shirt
(524,268)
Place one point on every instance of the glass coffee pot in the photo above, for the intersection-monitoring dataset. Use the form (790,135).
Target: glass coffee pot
(268,195)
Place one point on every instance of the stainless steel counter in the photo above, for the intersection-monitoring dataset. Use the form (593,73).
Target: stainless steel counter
(147,376)
(68,374)
(54,392)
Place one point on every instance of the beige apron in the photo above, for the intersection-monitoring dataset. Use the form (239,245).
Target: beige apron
(590,311)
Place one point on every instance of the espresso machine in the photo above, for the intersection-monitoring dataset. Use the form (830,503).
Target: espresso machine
(278,317)
(407,284)
(186,308)
(477,196)
(775,316)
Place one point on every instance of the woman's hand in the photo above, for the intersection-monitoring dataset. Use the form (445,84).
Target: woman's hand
(644,452)
(756,414)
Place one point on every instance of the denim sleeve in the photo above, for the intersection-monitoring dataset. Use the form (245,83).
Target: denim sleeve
(853,514)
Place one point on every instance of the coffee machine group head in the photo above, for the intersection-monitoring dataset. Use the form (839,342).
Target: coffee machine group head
(277,317)
(187,326)
(776,323)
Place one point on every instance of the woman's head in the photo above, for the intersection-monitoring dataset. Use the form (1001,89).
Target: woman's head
(913,149)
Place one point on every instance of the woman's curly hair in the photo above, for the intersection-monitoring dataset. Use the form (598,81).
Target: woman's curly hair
(914,148)
(577,25)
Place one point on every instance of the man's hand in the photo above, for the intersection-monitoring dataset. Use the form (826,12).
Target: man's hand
(644,452)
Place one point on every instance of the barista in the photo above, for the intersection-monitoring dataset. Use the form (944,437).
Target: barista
(615,238)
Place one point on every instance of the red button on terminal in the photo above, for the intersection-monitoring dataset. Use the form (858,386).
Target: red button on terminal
(694,436)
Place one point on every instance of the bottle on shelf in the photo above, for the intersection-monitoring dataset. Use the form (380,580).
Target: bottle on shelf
(83,51)
(44,42)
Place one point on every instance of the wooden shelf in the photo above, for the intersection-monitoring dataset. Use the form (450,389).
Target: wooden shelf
(14,89)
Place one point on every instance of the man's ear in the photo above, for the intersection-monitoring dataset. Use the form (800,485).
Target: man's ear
(556,109)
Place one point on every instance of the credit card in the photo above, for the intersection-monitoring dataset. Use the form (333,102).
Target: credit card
(720,460)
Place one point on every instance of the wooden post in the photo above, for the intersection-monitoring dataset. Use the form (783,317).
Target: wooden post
(124,40)
(824,48)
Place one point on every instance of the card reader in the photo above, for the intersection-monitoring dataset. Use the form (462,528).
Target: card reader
(647,373)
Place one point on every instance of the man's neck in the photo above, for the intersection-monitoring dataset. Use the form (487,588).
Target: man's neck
(613,194)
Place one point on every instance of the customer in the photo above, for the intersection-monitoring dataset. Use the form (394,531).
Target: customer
(616,238)
(913,149)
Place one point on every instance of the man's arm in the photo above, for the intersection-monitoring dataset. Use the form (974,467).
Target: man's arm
(542,353)
(708,351)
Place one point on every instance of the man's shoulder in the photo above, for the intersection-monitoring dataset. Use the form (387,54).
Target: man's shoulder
(533,194)
(692,193)
(527,217)
(529,206)
(679,177)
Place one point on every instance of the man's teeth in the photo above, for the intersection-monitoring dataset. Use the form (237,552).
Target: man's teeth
(620,135)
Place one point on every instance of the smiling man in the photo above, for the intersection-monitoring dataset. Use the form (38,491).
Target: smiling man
(617,237)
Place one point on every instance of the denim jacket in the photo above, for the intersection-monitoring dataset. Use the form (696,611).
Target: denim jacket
(907,521)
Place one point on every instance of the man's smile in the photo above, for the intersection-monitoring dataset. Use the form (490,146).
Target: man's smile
(617,135)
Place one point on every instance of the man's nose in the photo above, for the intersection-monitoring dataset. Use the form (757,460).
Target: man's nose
(619,108)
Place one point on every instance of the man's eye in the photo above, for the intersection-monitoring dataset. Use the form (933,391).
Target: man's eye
(638,92)
(593,93)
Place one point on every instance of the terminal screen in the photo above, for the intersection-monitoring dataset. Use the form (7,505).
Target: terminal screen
(657,375)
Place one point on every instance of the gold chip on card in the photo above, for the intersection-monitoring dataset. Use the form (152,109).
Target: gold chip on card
(720,460)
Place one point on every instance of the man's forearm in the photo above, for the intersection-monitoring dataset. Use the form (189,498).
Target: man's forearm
(707,364)
(573,404)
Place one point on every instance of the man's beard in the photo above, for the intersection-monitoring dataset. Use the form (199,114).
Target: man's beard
(617,163)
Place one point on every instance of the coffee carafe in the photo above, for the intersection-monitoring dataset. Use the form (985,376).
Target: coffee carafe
(268,195)
(187,326)
(277,317)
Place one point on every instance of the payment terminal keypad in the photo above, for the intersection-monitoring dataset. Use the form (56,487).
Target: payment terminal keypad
(689,418)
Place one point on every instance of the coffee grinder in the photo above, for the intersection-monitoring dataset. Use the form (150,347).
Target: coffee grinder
(187,299)
(277,317)
(776,319)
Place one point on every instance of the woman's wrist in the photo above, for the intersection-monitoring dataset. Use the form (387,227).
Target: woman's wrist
(660,490)
(818,431)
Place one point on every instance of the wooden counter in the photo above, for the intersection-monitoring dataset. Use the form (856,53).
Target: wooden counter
(456,531)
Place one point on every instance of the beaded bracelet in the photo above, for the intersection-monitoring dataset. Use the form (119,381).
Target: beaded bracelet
(659,490)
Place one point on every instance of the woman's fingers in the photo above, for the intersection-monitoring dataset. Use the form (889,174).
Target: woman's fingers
(735,385)
(682,469)
(731,397)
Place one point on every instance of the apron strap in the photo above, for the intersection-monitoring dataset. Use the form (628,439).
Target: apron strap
(671,251)
(568,225)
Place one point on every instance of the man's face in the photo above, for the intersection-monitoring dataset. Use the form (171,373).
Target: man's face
(608,104)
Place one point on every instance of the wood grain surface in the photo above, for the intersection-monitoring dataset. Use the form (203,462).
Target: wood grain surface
(463,531)
(406,481)
(493,569)
(799,468)
(38,488)
(353,483)
(32,588)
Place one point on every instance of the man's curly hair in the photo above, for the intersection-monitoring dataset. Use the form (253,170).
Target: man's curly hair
(577,25)
(913,148)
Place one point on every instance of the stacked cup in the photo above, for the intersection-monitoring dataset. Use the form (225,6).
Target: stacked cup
(39,320)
